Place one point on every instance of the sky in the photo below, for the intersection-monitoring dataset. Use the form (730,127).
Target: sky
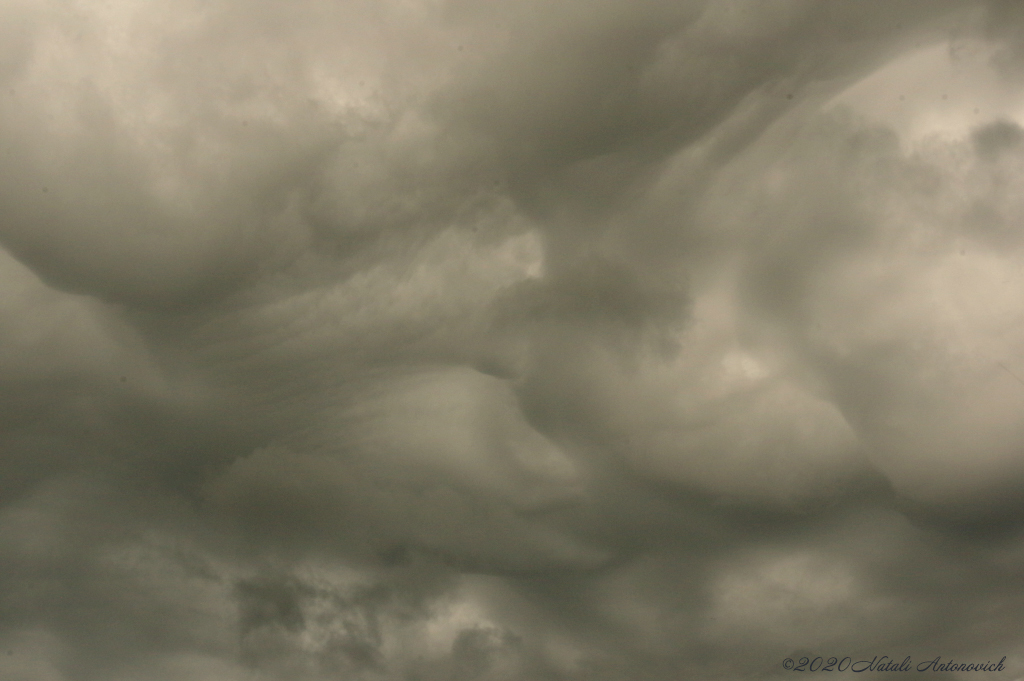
(564,340)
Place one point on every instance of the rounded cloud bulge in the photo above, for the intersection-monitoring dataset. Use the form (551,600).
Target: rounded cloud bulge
(893,266)
(459,340)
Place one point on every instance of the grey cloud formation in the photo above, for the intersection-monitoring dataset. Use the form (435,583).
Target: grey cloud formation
(475,341)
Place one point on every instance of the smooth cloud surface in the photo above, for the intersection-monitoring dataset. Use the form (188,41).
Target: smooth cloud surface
(533,340)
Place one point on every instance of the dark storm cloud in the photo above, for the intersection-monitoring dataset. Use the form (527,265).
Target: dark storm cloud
(461,340)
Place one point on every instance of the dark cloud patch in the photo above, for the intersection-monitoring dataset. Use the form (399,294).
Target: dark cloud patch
(992,139)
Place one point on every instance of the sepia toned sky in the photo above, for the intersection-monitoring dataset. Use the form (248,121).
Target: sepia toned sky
(563,340)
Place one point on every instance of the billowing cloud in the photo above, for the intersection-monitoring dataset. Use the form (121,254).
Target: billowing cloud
(494,341)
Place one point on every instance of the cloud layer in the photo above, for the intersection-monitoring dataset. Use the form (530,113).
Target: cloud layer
(468,341)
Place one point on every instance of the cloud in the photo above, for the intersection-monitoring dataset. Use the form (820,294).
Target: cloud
(887,296)
(461,340)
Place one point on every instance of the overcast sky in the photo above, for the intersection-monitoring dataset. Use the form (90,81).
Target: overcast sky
(535,340)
